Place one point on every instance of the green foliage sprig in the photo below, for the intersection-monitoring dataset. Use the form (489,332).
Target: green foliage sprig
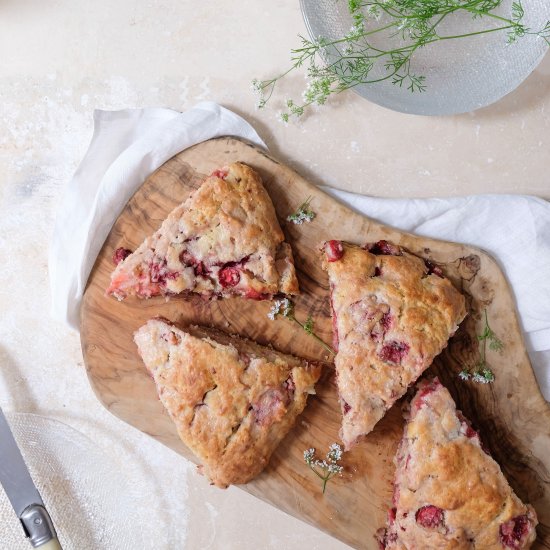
(354,56)
(481,373)
(285,308)
(303,213)
(327,468)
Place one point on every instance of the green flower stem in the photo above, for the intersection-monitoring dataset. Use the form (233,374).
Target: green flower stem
(487,31)
(325,479)
(311,333)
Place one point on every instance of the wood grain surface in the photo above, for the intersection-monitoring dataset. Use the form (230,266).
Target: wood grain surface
(511,413)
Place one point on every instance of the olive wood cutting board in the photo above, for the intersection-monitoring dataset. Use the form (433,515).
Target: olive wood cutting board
(512,415)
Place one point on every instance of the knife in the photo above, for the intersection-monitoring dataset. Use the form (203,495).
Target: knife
(22,493)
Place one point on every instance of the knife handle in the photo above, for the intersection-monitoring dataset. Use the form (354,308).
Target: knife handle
(52,544)
(39,528)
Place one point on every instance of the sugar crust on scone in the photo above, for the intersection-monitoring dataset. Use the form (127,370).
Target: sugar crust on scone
(223,240)
(392,314)
(449,492)
(232,400)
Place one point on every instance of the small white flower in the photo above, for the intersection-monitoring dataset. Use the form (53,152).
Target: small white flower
(325,469)
(282,117)
(309,455)
(477,377)
(355,32)
(373,12)
(484,376)
(282,307)
(335,452)
(302,214)
(287,307)
(275,309)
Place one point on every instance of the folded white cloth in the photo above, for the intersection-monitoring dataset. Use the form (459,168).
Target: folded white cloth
(126,147)
(129,145)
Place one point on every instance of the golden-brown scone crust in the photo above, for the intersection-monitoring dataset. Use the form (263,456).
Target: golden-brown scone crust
(391,317)
(223,240)
(232,400)
(449,493)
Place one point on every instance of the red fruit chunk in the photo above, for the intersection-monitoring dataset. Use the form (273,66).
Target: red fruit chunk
(394,352)
(120,254)
(432,268)
(187,259)
(377,272)
(386,321)
(289,386)
(222,174)
(200,269)
(429,516)
(391,515)
(229,276)
(255,295)
(514,531)
(384,248)
(469,432)
(271,406)
(426,390)
(346,407)
(395,496)
(334,250)
(157,271)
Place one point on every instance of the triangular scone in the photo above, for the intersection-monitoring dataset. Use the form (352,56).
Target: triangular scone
(392,314)
(449,493)
(223,240)
(232,400)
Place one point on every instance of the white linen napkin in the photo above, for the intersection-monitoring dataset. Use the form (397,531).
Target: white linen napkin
(129,145)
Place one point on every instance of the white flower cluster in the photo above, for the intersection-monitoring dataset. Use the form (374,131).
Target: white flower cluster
(302,214)
(282,307)
(329,465)
(309,456)
(481,376)
(334,452)
(300,217)
(335,469)
(258,88)
(356,32)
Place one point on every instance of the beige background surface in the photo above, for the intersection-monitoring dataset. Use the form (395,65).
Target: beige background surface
(60,60)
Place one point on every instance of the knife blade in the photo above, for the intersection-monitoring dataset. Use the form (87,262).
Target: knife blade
(22,492)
